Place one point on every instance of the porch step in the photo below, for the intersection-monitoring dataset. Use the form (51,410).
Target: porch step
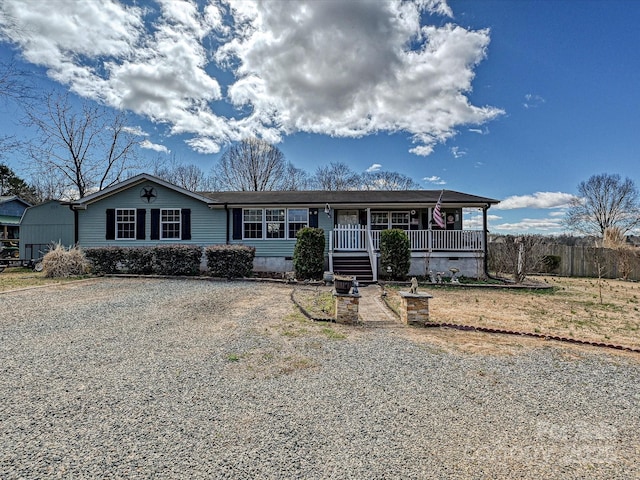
(358,267)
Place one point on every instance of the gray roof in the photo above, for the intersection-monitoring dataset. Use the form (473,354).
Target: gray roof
(309,197)
(355,197)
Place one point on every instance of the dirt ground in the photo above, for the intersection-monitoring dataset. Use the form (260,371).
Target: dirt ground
(572,308)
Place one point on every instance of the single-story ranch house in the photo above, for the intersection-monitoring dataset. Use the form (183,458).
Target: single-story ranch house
(145,210)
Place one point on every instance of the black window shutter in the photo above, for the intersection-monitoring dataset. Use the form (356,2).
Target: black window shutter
(111,224)
(155,224)
(313,217)
(237,224)
(141,216)
(362,217)
(186,223)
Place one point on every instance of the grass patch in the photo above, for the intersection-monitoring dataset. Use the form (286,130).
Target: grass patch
(332,334)
(233,357)
(15,278)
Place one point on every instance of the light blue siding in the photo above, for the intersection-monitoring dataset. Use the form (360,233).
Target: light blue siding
(284,247)
(208,226)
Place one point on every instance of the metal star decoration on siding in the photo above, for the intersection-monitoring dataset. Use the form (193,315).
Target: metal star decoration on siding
(148,193)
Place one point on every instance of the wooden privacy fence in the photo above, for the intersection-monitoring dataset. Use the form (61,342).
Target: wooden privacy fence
(581,261)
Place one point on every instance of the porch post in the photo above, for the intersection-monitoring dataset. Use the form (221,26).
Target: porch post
(485,239)
(429,230)
(331,234)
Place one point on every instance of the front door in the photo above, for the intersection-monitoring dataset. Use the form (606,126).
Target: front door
(349,234)
(348,217)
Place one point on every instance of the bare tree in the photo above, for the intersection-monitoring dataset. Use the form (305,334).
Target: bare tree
(605,201)
(14,83)
(387,181)
(190,177)
(90,146)
(336,176)
(517,255)
(52,187)
(251,165)
(295,179)
(14,86)
(625,254)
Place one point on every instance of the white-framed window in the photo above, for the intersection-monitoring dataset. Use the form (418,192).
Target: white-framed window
(297,218)
(400,220)
(170,223)
(252,223)
(125,223)
(379,220)
(383,220)
(273,223)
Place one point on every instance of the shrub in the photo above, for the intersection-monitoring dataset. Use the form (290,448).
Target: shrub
(230,261)
(395,254)
(62,262)
(105,260)
(161,259)
(551,263)
(177,259)
(308,254)
(138,260)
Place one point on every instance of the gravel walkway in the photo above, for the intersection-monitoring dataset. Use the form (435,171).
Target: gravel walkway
(135,378)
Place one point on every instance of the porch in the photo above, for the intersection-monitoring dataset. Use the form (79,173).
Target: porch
(350,245)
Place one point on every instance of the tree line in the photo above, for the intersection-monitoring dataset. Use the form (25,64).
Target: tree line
(256,165)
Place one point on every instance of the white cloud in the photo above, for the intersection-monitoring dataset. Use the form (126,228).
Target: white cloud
(529,225)
(337,68)
(435,180)
(537,200)
(154,146)
(374,167)
(457,152)
(137,130)
(560,213)
(533,101)
(204,145)
(480,131)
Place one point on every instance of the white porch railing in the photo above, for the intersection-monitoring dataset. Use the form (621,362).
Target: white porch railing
(350,237)
(353,238)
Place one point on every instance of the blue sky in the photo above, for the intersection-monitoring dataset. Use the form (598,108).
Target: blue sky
(513,100)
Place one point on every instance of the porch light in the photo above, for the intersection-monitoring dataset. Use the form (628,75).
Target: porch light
(327,210)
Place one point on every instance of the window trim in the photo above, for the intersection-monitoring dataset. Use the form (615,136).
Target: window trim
(265,223)
(117,223)
(178,222)
(390,223)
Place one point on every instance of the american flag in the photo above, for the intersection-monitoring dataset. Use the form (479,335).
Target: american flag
(437,214)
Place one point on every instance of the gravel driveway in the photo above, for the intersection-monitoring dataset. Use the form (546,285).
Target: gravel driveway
(139,378)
